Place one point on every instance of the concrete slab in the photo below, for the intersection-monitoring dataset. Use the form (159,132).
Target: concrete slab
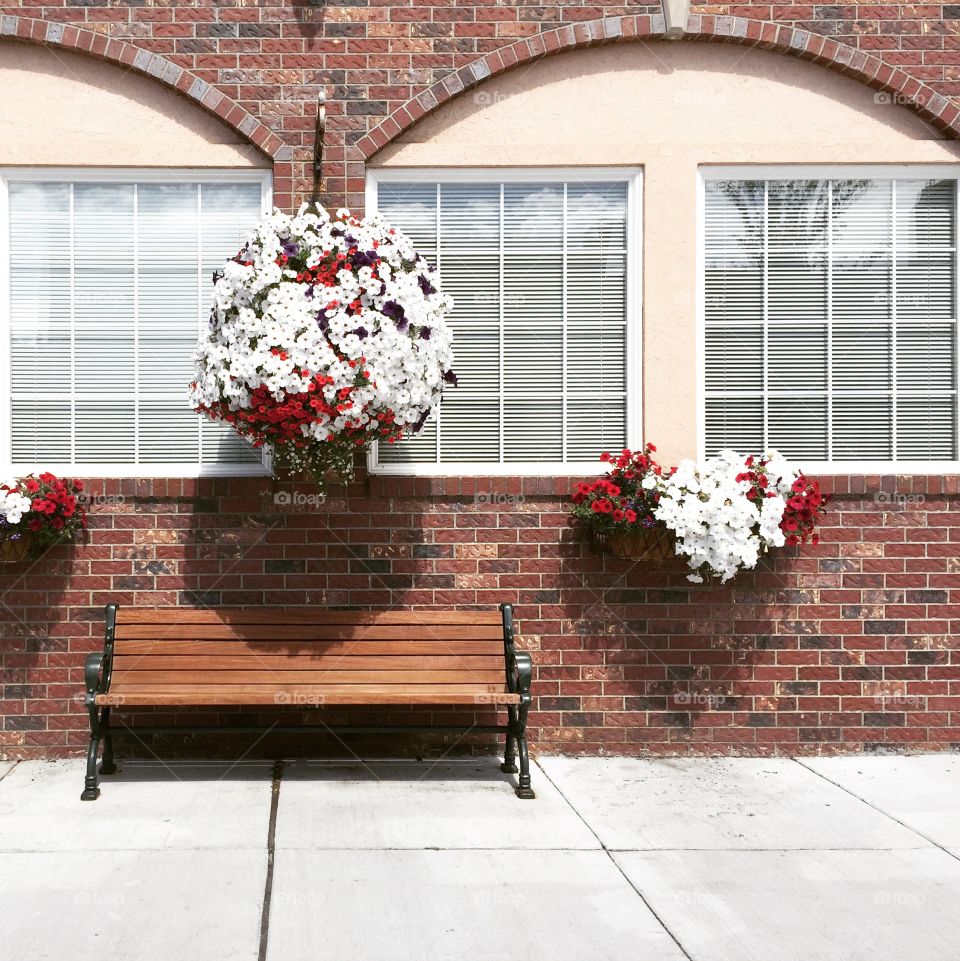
(6,767)
(134,905)
(390,804)
(804,905)
(452,905)
(718,803)
(922,791)
(143,806)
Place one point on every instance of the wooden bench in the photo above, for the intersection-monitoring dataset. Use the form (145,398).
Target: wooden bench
(179,657)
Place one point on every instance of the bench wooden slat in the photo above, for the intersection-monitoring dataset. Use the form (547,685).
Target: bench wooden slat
(282,678)
(161,661)
(178,615)
(261,648)
(244,695)
(297,632)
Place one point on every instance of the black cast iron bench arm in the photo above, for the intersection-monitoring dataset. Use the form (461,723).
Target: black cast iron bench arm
(519,668)
(97,673)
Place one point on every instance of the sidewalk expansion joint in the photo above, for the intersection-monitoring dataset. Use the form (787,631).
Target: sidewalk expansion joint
(880,810)
(613,861)
(271,852)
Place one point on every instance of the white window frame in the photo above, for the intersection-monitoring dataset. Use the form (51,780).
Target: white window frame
(802,171)
(633,177)
(177,175)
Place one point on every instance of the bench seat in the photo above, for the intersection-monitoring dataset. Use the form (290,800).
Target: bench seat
(227,695)
(158,657)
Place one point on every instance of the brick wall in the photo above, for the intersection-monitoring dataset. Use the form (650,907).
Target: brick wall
(846,647)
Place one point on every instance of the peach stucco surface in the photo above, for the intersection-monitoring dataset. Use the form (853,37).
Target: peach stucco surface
(65,109)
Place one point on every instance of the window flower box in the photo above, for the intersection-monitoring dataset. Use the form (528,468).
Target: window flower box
(722,515)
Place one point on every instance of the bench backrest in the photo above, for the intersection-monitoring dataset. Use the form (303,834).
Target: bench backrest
(166,648)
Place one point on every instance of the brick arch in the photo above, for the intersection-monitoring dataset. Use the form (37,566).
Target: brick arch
(166,72)
(931,106)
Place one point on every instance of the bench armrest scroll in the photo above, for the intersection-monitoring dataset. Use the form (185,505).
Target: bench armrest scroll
(92,675)
(524,672)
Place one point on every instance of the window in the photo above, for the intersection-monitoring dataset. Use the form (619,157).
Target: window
(542,268)
(830,314)
(109,279)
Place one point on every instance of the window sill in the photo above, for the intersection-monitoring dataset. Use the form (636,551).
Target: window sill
(138,471)
(527,469)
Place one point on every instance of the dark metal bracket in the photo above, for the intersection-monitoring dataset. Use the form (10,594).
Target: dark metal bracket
(319,185)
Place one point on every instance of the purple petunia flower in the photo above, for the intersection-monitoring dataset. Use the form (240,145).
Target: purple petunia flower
(425,333)
(290,247)
(426,286)
(450,377)
(419,424)
(362,333)
(323,322)
(365,258)
(396,313)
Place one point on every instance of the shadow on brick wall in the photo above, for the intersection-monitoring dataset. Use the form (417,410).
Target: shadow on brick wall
(39,644)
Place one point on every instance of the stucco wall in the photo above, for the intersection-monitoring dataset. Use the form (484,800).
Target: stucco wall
(668,109)
(65,109)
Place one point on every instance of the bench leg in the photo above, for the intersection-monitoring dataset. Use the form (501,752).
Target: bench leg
(106,765)
(509,752)
(523,790)
(91,789)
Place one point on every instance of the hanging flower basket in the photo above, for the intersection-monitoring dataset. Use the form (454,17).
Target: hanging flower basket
(653,545)
(15,548)
(327,334)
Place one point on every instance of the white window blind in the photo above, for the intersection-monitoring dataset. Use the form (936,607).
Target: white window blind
(109,284)
(830,317)
(538,274)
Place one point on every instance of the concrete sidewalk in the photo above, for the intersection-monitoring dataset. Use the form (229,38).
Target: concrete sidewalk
(830,859)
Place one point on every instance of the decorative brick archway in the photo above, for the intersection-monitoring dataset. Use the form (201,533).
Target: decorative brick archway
(180,80)
(930,105)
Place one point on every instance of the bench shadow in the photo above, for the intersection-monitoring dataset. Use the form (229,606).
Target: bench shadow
(392,770)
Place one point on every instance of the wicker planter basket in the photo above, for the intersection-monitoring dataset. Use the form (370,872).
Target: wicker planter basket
(15,549)
(651,544)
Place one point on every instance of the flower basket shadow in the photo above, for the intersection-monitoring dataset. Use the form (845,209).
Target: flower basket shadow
(13,550)
(653,545)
